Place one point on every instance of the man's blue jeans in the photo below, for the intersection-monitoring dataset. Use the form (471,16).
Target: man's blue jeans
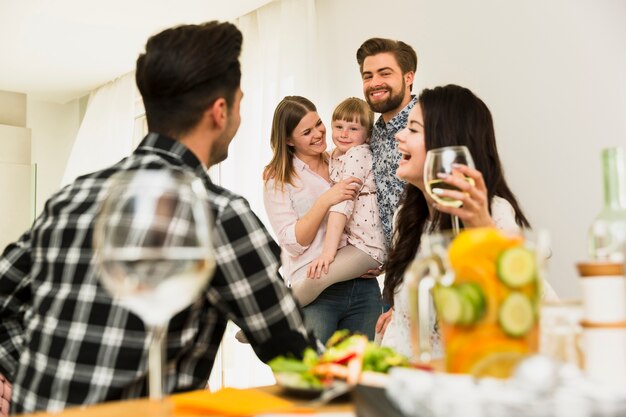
(354,305)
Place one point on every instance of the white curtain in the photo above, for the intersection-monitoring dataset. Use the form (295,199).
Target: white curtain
(278,59)
(106,133)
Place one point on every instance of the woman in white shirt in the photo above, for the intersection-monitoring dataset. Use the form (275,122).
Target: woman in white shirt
(298,194)
(444,116)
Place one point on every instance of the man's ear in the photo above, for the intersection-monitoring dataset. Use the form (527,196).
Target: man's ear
(408,77)
(218,113)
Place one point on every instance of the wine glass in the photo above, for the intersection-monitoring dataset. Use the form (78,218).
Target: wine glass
(152,244)
(440,160)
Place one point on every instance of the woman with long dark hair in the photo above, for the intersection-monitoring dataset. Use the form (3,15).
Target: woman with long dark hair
(444,116)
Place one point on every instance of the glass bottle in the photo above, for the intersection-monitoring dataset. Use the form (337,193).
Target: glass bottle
(607,235)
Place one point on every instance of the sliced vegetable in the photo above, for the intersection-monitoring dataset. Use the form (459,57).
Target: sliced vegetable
(516,315)
(381,358)
(473,294)
(337,337)
(310,357)
(344,350)
(517,267)
(284,364)
(303,380)
(347,358)
(449,304)
(355,364)
(462,304)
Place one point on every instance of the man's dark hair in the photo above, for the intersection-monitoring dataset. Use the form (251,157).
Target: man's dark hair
(184,70)
(404,54)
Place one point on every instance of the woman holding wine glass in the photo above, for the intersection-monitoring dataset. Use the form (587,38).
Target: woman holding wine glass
(445,116)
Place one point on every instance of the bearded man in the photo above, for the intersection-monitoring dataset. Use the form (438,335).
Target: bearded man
(387,70)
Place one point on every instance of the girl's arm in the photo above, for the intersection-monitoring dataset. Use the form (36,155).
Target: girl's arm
(336,224)
(358,165)
(308,225)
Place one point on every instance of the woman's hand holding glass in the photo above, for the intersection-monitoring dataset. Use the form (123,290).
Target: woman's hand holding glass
(474,211)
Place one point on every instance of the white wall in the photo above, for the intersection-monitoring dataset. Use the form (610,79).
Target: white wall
(16,173)
(16,198)
(552,72)
(54,127)
(12,108)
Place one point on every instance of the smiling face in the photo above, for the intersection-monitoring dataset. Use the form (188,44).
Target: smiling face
(308,139)
(412,146)
(348,134)
(384,85)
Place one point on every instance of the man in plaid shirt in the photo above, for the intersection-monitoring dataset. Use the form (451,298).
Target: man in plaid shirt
(63,340)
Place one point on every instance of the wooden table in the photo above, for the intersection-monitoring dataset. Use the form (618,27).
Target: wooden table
(146,408)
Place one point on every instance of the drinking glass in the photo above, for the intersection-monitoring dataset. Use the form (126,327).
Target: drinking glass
(152,243)
(440,160)
(561,332)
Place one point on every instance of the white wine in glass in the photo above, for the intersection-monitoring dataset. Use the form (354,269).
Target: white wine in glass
(440,161)
(152,242)
(445,201)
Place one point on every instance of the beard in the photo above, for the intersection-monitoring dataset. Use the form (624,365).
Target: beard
(392,103)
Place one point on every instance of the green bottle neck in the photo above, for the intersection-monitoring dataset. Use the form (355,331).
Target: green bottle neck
(614,170)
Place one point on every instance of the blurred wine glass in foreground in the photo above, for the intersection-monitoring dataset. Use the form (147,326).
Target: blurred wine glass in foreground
(152,242)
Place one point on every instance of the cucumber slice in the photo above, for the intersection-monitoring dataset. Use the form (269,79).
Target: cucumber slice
(462,304)
(469,314)
(473,293)
(517,267)
(516,315)
(449,304)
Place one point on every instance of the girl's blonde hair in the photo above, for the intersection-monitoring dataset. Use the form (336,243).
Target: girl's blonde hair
(287,115)
(355,110)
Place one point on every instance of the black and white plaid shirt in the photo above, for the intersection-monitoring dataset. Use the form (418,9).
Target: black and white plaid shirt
(64,341)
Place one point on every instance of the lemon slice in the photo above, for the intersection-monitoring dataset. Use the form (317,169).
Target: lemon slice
(497,365)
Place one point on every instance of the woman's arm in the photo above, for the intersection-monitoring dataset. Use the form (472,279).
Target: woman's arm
(295,233)
(283,218)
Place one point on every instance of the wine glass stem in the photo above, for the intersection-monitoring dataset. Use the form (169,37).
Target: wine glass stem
(155,361)
(455,225)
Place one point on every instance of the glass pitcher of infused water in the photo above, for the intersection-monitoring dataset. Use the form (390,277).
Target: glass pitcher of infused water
(485,286)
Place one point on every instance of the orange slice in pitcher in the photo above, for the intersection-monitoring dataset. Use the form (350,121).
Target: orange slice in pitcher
(479,351)
(482,242)
(497,365)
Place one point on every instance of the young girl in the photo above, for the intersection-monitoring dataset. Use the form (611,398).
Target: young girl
(359,219)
